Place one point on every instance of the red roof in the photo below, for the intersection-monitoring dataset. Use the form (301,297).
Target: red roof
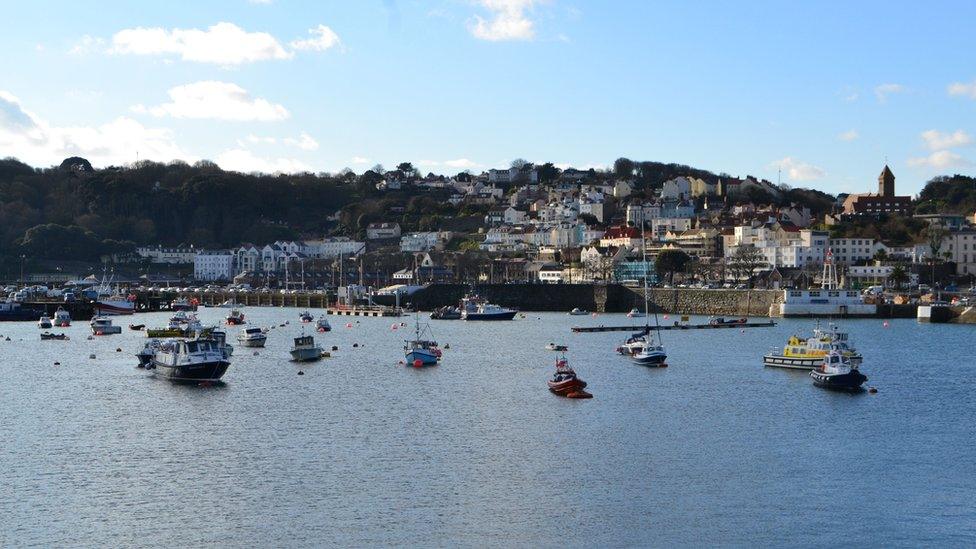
(622,232)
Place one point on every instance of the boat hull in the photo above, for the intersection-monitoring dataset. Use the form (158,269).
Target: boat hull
(650,359)
(255,342)
(797,363)
(425,357)
(191,373)
(565,388)
(850,381)
(114,308)
(234,321)
(508,315)
(306,355)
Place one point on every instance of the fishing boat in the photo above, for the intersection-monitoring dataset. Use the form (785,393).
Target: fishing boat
(306,317)
(48,335)
(322,325)
(111,302)
(62,318)
(184,304)
(565,382)
(421,351)
(579,312)
(644,348)
(838,373)
(11,310)
(235,318)
(449,312)
(475,308)
(45,323)
(808,353)
(194,360)
(252,337)
(101,325)
(305,349)
(218,336)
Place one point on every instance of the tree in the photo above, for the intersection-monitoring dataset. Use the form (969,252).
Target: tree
(623,167)
(745,260)
(548,172)
(935,236)
(898,276)
(881,255)
(520,163)
(670,262)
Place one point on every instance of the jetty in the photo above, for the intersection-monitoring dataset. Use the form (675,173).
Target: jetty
(724,325)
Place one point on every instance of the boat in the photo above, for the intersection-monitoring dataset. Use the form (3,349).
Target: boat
(180,318)
(62,318)
(228,304)
(305,349)
(252,337)
(11,310)
(184,304)
(218,336)
(137,327)
(449,312)
(45,323)
(306,317)
(322,325)
(565,382)
(556,347)
(838,373)
(808,353)
(475,308)
(148,351)
(830,300)
(110,302)
(235,318)
(101,325)
(48,335)
(644,348)
(174,329)
(193,360)
(579,312)
(420,351)
(721,321)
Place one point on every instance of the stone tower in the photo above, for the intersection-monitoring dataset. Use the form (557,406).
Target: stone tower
(886,182)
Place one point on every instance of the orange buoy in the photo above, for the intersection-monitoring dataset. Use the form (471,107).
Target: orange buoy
(665,317)
(348,324)
(417,363)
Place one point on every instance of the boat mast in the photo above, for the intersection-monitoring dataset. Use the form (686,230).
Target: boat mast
(647,328)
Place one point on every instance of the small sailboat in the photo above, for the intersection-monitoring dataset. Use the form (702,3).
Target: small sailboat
(838,373)
(565,382)
(419,351)
(643,348)
(45,323)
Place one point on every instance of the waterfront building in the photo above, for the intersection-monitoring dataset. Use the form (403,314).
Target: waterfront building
(175,256)
(213,265)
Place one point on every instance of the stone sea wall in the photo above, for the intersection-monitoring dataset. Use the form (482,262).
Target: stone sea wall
(603,298)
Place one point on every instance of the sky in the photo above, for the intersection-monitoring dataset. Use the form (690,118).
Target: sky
(815,94)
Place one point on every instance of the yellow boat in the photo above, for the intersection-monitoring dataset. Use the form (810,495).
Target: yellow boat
(809,353)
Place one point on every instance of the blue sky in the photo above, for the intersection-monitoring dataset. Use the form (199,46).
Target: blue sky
(826,91)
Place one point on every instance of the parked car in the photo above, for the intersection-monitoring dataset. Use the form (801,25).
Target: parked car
(69,297)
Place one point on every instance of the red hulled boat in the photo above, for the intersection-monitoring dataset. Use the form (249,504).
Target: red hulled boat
(565,382)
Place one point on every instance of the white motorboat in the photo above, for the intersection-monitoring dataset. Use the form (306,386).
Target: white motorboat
(62,318)
(252,337)
(322,324)
(579,312)
(635,313)
(45,323)
(101,325)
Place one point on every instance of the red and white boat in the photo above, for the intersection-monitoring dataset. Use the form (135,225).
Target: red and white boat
(235,318)
(114,305)
(566,383)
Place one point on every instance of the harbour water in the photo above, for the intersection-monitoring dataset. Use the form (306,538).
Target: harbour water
(363,451)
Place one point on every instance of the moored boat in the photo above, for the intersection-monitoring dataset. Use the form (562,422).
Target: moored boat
(306,317)
(305,349)
(114,306)
(556,347)
(45,323)
(808,353)
(184,304)
(11,310)
(579,312)
(635,313)
(48,335)
(449,312)
(62,318)
(838,373)
(252,337)
(421,351)
(101,325)
(194,360)
(475,308)
(235,317)
(565,382)
(322,325)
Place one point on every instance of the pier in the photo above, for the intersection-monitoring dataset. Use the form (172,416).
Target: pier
(595,329)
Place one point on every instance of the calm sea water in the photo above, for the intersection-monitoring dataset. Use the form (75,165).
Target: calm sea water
(361,451)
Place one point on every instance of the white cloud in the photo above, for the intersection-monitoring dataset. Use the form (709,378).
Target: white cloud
(32,140)
(797,170)
(87,44)
(884,90)
(222,44)
(936,140)
(849,135)
(508,21)
(216,100)
(939,160)
(458,163)
(323,38)
(963,88)
(360,160)
(243,160)
(303,142)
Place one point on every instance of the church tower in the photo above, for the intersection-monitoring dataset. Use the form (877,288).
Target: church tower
(886,182)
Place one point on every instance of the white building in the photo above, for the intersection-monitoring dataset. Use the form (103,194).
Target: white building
(961,249)
(158,254)
(326,248)
(213,265)
(851,251)
(678,188)
(424,242)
